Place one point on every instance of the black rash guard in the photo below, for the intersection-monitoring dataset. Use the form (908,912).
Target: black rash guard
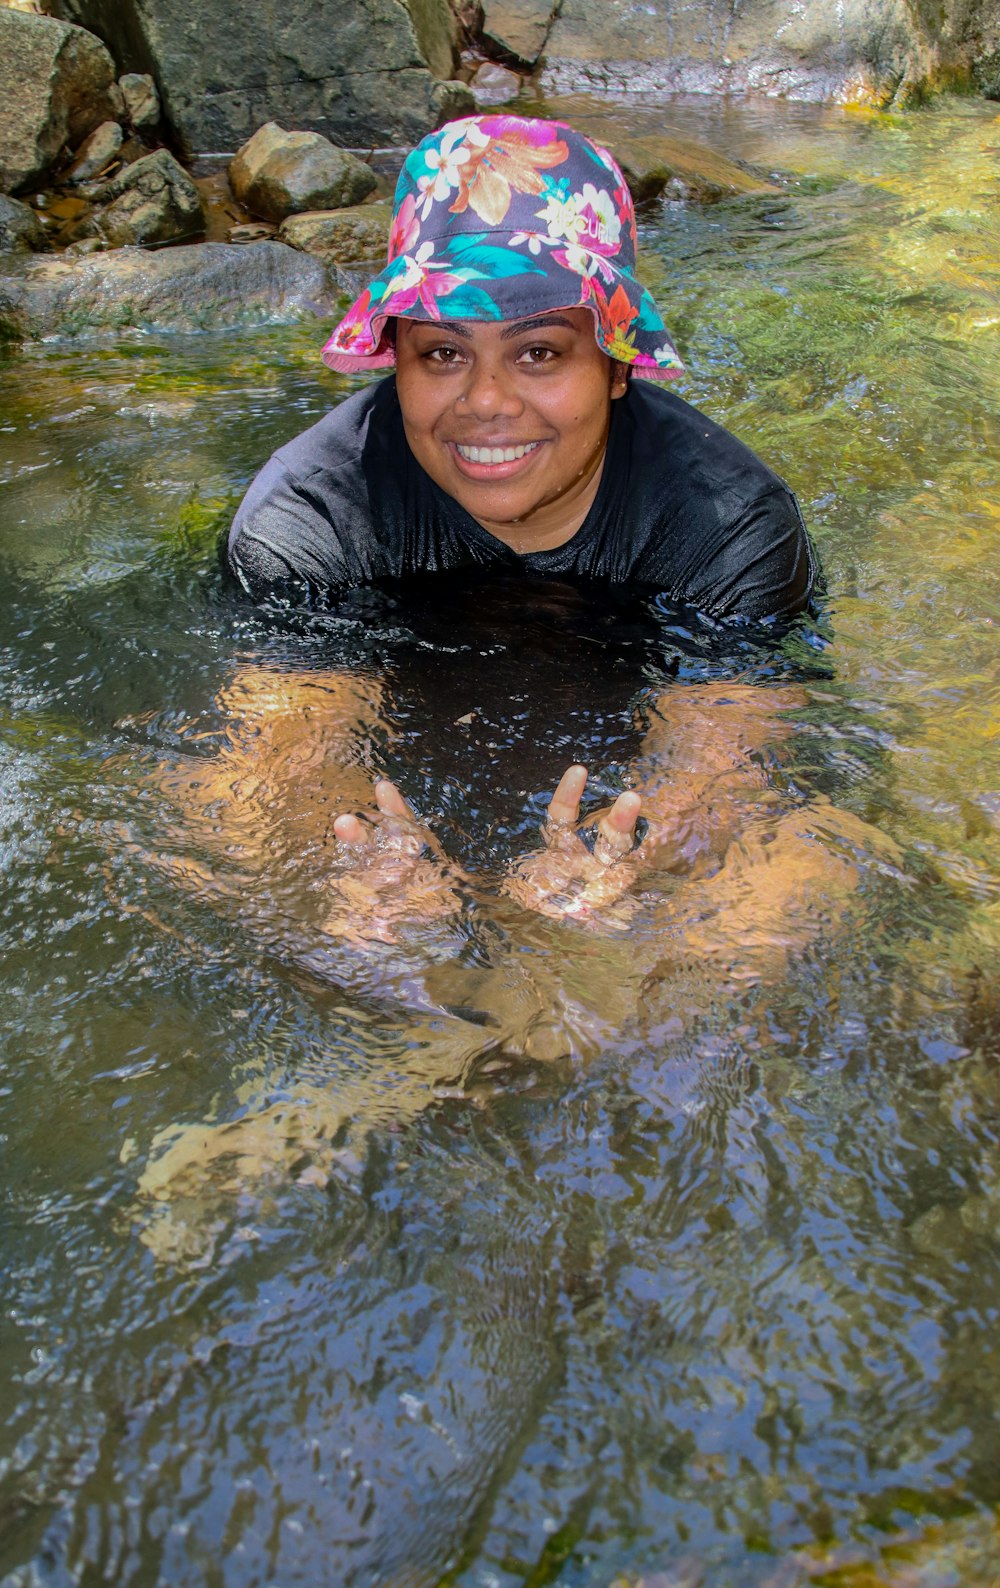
(682,508)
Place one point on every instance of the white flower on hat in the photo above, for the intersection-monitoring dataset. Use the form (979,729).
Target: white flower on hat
(444,164)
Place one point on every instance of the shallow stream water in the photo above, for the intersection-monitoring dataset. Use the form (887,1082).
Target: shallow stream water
(658,1248)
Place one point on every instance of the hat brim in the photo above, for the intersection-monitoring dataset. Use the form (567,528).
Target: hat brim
(493,276)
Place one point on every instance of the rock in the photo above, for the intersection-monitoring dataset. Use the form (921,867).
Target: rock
(56,84)
(95,153)
(280,173)
(346,237)
(352,243)
(494,85)
(450,100)
(250,232)
(142,102)
(152,201)
(651,164)
(211,286)
(20,229)
(361,72)
(436,28)
(840,50)
(518,27)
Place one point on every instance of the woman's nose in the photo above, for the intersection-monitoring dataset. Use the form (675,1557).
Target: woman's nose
(489,392)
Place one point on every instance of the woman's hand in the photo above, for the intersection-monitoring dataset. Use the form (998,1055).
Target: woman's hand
(396,873)
(569,879)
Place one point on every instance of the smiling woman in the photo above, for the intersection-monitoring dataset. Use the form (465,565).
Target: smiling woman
(512,437)
(511,420)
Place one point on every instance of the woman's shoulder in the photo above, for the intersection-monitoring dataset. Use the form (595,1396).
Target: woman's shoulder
(364,421)
(672,439)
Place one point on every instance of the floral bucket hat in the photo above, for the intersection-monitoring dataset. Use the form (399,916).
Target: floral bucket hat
(501,217)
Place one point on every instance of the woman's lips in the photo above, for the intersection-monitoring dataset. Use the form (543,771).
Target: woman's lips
(493,462)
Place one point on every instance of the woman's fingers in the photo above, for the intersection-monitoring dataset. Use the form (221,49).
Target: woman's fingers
(348,830)
(564,806)
(616,829)
(392,828)
(391,802)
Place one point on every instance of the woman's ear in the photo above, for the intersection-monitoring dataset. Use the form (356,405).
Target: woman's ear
(619,378)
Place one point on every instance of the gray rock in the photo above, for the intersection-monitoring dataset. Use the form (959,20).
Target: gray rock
(449,100)
(348,237)
(520,27)
(841,50)
(279,173)
(355,70)
(152,201)
(56,84)
(19,227)
(688,168)
(495,85)
(142,102)
(211,286)
(95,153)
(436,28)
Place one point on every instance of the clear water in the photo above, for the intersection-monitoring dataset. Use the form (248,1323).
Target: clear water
(515,1252)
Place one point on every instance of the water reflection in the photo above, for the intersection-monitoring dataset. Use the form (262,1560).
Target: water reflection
(514,1249)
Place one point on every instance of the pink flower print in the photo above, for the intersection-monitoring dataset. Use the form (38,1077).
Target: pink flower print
(584,261)
(405,228)
(600,227)
(354,327)
(416,283)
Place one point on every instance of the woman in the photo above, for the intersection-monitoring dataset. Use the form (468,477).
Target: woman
(512,434)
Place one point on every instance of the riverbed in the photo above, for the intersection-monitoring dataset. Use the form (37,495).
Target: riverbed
(512,1251)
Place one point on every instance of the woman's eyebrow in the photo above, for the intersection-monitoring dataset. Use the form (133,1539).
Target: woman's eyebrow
(535,324)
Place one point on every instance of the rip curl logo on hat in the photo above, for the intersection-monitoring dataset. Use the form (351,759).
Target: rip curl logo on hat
(500,217)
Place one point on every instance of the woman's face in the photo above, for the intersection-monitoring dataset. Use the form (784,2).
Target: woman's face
(510,418)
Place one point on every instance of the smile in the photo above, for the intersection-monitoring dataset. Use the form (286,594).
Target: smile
(496,454)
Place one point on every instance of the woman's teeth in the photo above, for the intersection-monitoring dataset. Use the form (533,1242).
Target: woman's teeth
(495,454)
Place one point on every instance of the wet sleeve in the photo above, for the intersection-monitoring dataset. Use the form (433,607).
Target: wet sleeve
(759,564)
(283,543)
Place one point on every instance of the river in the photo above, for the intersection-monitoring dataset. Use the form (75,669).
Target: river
(661,1249)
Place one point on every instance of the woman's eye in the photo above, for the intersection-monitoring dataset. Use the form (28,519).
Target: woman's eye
(443,355)
(537,355)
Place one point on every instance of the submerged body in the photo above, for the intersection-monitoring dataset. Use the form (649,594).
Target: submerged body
(681,506)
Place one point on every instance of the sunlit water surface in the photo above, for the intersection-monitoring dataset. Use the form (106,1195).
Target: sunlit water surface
(514,1252)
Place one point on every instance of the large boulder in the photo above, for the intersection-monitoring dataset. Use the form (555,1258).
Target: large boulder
(20,230)
(361,72)
(151,201)
(57,83)
(841,50)
(200,287)
(279,173)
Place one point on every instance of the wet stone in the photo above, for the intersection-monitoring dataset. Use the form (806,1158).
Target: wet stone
(20,229)
(345,236)
(494,85)
(57,82)
(96,152)
(152,201)
(199,287)
(683,169)
(142,102)
(279,173)
(518,26)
